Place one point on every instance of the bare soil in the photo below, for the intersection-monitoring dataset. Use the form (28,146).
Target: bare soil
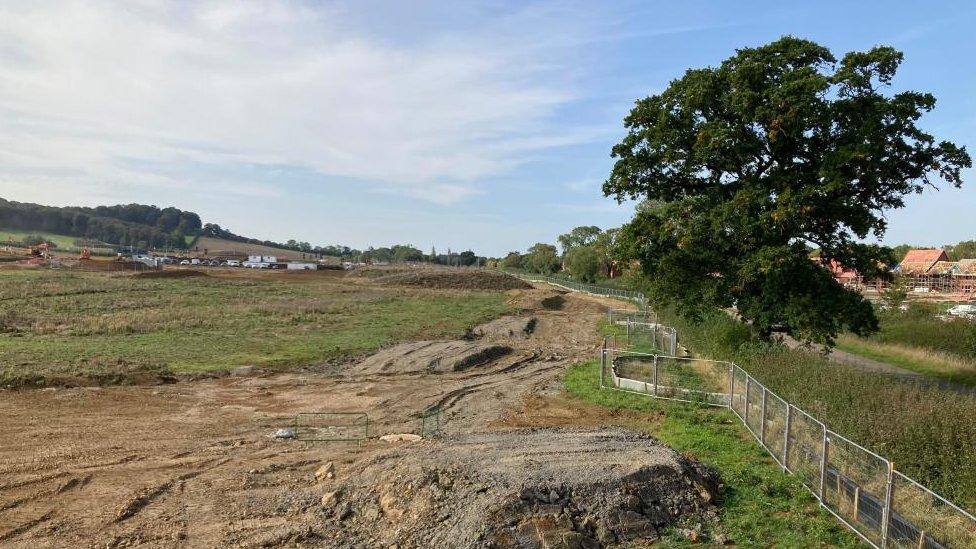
(459,279)
(193,463)
(536,488)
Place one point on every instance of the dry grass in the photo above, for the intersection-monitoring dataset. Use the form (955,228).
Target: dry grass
(219,246)
(940,364)
(63,325)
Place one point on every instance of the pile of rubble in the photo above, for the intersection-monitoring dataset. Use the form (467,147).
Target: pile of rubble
(542,488)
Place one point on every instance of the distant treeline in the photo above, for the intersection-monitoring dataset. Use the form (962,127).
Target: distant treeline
(397,253)
(148,227)
(127,225)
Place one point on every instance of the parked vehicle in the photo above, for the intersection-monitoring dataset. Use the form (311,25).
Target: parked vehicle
(963,311)
(233,263)
(194,261)
(185,262)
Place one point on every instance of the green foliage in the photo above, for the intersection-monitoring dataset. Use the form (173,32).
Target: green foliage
(744,165)
(584,263)
(541,258)
(762,506)
(513,260)
(896,293)
(580,236)
(130,224)
(928,432)
(403,253)
(919,327)
(963,250)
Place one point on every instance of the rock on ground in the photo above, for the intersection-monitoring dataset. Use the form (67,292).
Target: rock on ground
(545,488)
(432,356)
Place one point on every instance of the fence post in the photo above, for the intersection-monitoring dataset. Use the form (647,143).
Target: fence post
(886,510)
(731,385)
(603,362)
(786,437)
(823,462)
(655,375)
(762,419)
(746,406)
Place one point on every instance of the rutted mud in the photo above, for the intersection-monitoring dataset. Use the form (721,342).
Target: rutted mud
(431,357)
(191,464)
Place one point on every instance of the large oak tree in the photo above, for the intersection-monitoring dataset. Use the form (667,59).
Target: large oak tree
(745,167)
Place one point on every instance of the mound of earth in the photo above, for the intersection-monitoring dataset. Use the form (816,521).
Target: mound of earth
(466,279)
(171,273)
(554,303)
(531,489)
(432,356)
(506,327)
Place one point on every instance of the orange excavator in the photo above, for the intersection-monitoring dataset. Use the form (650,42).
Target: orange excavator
(85,254)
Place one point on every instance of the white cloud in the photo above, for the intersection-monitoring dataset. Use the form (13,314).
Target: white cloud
(90,89)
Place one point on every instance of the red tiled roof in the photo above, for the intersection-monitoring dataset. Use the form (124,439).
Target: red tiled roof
(925,256)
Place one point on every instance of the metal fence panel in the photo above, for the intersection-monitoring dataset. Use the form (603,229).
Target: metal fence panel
(805,445)
(773,434)
(738,387)
(922,518)
(859,487)
(754,392)
(855,486)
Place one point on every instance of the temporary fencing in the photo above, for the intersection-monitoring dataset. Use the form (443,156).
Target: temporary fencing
(860,488)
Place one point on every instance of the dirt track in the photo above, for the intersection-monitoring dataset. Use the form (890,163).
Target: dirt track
(192,463)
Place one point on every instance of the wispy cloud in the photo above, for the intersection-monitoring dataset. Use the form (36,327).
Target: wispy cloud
(87,87)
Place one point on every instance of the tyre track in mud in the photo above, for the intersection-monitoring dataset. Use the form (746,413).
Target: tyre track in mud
(195,467)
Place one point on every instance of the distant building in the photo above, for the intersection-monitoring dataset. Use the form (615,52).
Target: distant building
(924,261)
(302,266)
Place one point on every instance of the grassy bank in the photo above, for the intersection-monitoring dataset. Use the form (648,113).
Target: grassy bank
(58,324)
(929,433)
(937,364)
(919,341)
(762,506)
(919,327)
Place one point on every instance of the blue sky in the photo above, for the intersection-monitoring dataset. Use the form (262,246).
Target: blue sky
(461,125)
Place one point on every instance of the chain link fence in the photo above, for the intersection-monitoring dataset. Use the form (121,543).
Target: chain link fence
(859,487)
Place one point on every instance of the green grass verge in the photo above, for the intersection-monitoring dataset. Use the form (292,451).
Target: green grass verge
(920,327)
(762,506)
(60,324)
(61,241)
(930,363)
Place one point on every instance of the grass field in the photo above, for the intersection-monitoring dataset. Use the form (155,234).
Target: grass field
(219,246)
(929,433)
(64,325)
(762,506)
(63,243)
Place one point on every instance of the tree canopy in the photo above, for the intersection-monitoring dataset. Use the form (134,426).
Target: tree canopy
(580,236)
(745,165)
(541,258)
